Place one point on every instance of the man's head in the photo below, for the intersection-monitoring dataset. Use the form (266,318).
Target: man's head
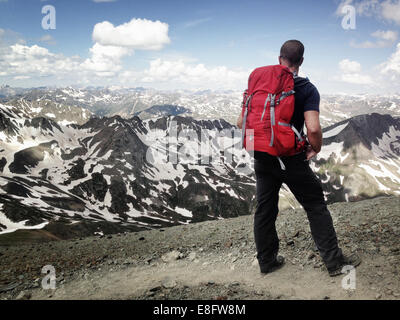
(291,54)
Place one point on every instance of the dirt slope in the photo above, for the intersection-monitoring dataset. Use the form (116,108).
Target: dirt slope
(213,260)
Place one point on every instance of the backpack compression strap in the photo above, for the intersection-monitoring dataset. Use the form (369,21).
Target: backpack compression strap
(245,118)
(272,110)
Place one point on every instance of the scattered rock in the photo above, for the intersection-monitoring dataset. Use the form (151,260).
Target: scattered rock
(290,243)
(228,244)
(181,255)
(23,296)
(259,293)
(154,289)
(192,256)
(169,284)
(170,256)
(311,255)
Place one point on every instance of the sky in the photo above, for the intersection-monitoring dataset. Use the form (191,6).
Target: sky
(351,46)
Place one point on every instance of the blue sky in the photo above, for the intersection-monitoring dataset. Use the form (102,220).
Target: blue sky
(174,44)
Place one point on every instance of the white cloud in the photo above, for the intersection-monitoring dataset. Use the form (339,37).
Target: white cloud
(392,65)
(356,78)
(388,10)
(137,34)
(367,7)
(385,39)
(388,35)
(351,73)
(113,43)
(391,10)
(47,39)
(105,60)
(363,7)
(21,60)
(348,66)
(369,44)
(186,75)
(21,77)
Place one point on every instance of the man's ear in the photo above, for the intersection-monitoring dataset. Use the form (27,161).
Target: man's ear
(301,61)
(280,60)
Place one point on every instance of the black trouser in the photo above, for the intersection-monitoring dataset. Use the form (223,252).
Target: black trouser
(307,189)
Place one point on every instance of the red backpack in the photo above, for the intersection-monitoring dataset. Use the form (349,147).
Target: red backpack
(267,109)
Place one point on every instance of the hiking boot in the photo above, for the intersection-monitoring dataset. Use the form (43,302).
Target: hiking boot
(273,266)
(352,260)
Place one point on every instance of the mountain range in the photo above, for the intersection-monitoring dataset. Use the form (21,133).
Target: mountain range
(205,104)
(76,173)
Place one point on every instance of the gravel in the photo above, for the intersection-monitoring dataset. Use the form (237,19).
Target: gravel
(370,228)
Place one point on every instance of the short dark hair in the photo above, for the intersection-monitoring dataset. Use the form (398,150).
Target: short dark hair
(292,51)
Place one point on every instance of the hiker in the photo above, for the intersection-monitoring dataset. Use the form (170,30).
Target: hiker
(276,105)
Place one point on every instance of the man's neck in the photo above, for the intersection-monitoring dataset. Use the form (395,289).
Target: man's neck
(292,69)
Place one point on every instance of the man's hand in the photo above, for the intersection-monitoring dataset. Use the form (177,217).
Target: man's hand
(310,153)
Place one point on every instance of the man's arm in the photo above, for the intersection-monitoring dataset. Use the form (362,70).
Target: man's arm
(314,132)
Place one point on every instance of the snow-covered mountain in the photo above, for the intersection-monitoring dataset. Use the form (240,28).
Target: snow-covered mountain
(112,174)
(63,114)
(335,108)
(360,158)
(206,104)
(108,174)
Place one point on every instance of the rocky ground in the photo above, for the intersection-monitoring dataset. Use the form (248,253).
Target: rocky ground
(213,260)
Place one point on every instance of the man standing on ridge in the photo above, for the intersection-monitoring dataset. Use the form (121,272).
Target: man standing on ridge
(293,170)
